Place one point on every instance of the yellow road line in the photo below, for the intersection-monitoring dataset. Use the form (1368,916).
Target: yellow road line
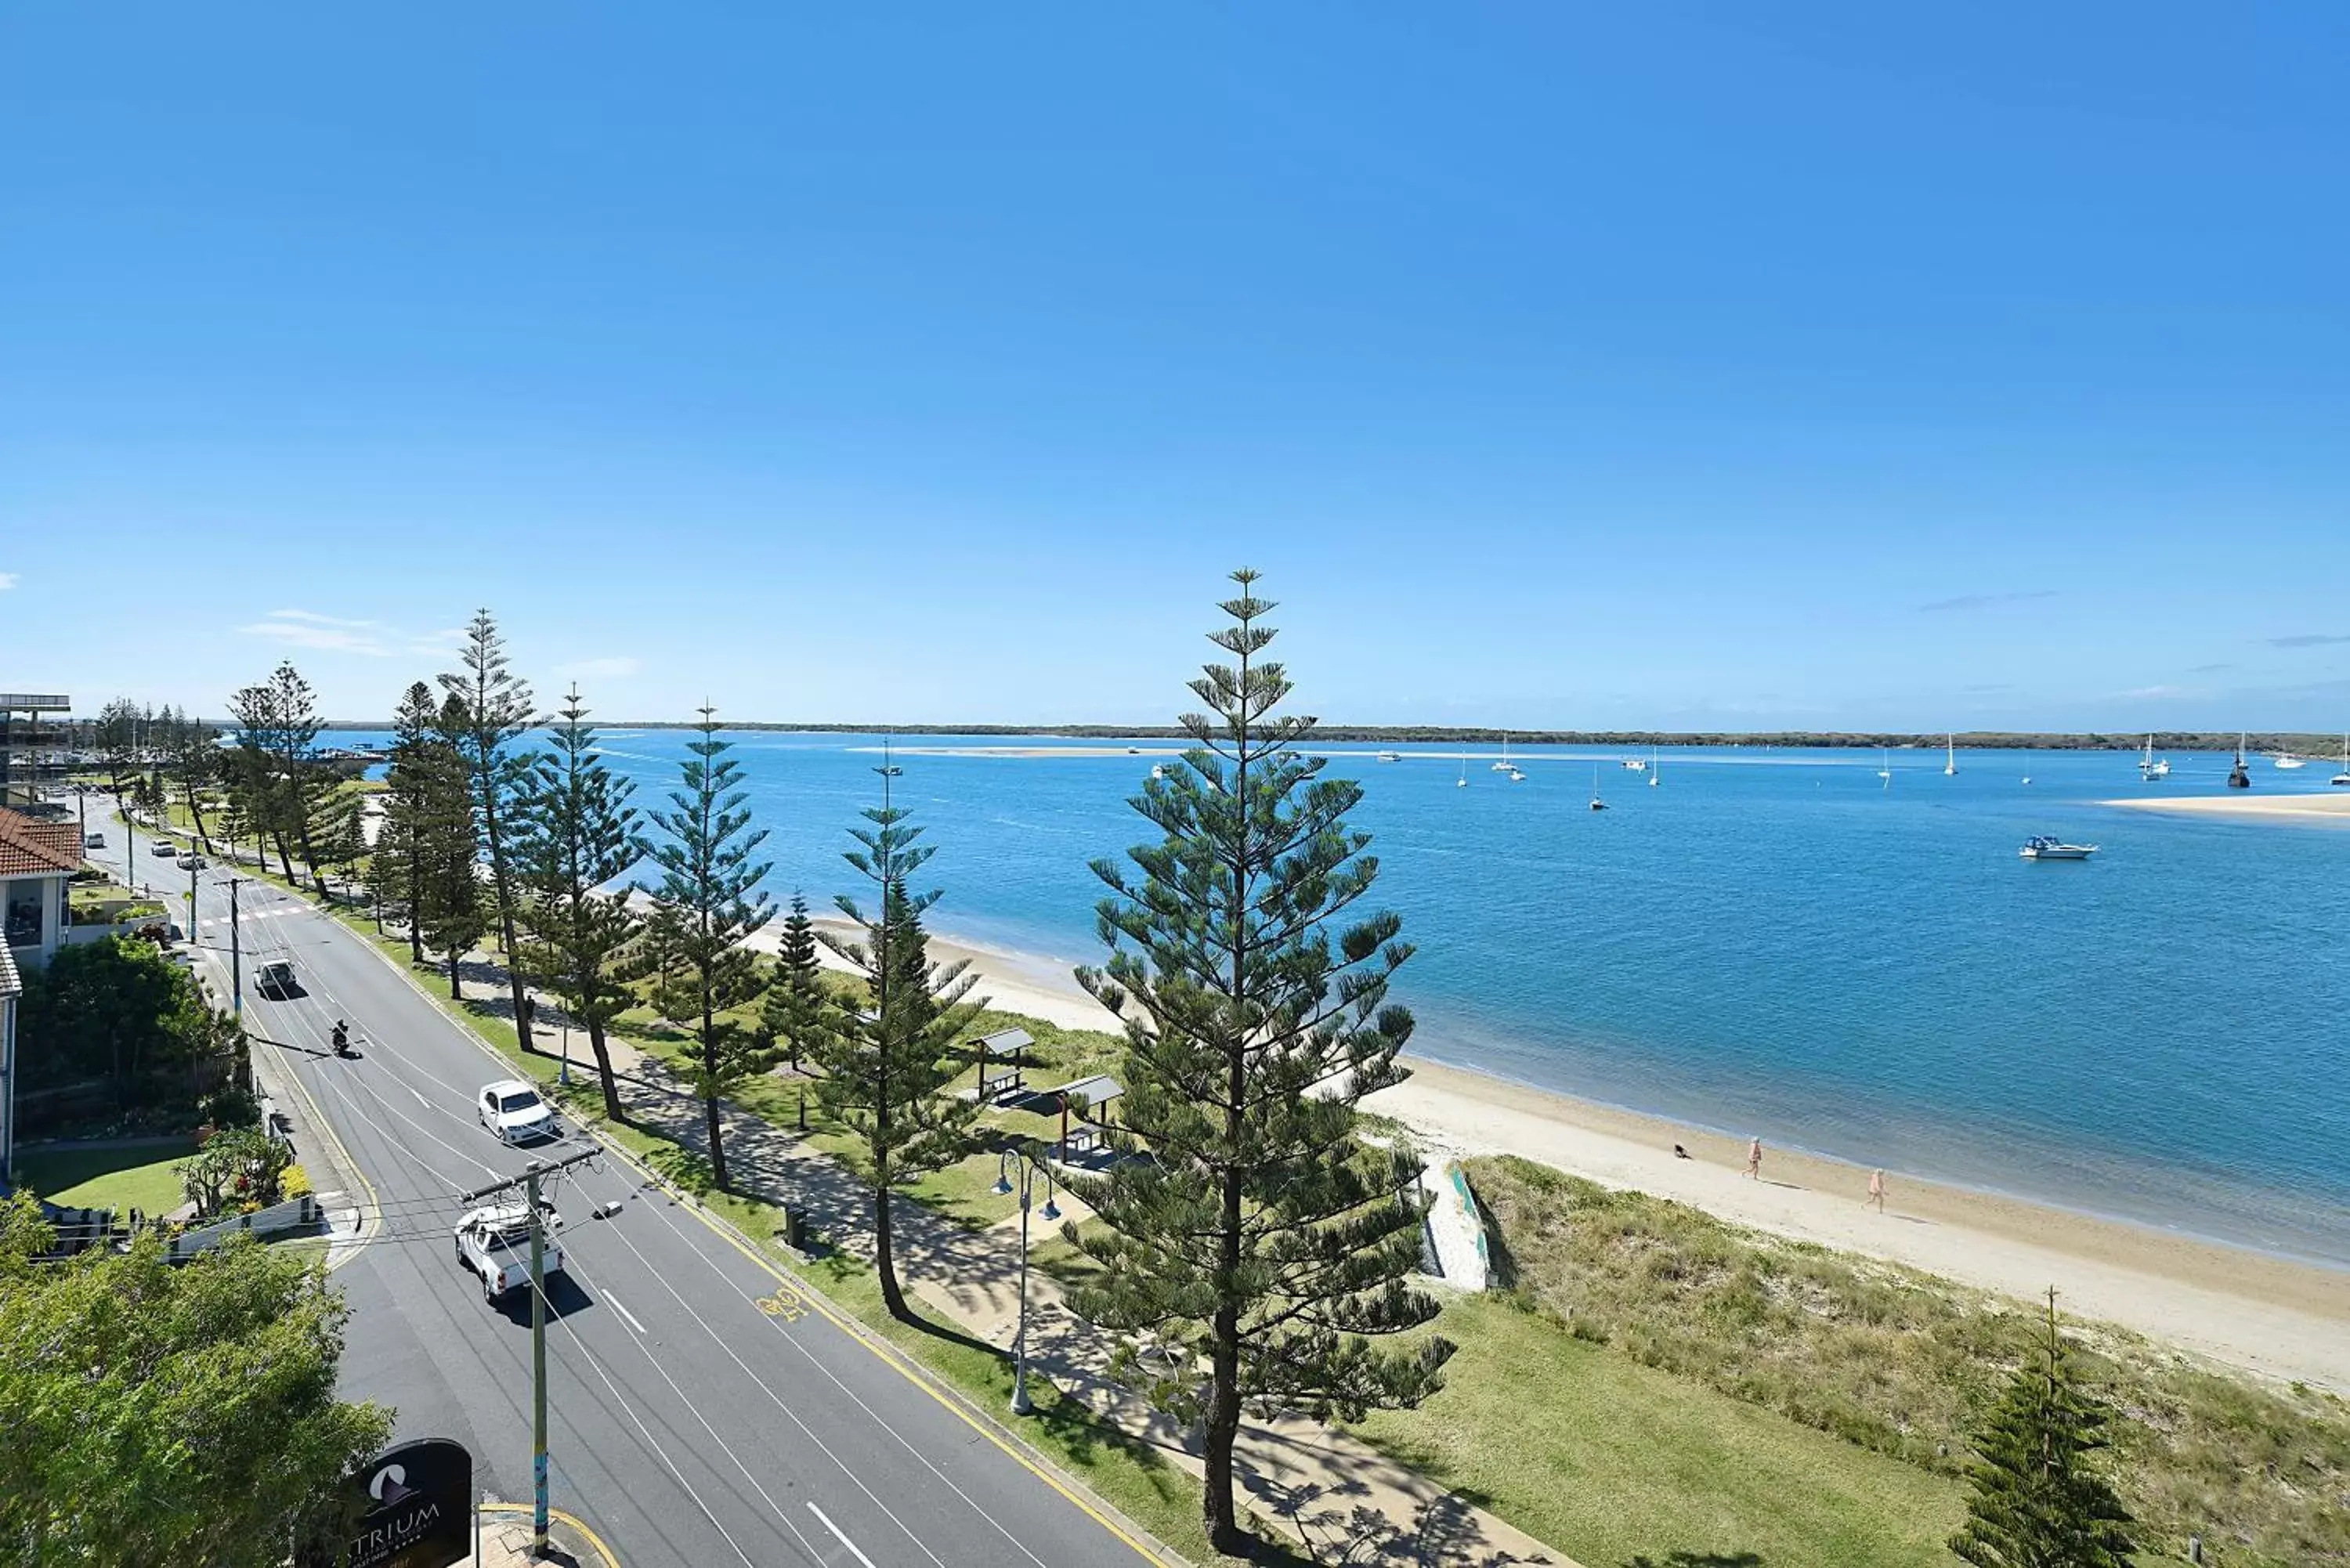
(571,1519)
(888,1355)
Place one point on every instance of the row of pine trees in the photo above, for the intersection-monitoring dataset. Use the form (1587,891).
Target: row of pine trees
(1256,1250)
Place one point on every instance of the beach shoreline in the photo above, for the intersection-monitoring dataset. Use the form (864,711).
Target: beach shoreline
(2300,809)
(2279,1316)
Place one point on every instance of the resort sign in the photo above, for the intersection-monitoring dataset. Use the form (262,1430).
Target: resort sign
(418,1499)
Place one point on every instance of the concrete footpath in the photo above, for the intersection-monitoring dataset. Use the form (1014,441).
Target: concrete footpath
(1342,1499)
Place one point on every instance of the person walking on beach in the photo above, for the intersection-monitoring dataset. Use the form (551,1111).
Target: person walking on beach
(1876,1190)
(1754,1158)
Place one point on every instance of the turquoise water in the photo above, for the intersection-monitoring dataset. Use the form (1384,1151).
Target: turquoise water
(1776,943)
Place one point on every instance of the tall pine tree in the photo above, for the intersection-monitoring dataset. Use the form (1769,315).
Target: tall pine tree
(1260,1239)
(449,908)
(889,1064)
(397,868)
(708,906)
(2038,1501)
(498,712)
(574,835)
(278,725)
(794,1010)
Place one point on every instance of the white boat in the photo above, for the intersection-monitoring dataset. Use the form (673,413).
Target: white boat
(2042,847)
(1516,777)
(1159,769)
(1636,764)
(1597,804)
(1503,765)
(2343,778)
(1390,756)
(1951,754)
(1886,772)
(1655,773)
(1463,782)
(2287,760)
(2148,767)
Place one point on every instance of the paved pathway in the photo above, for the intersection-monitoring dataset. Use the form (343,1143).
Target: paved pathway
(1346,1500)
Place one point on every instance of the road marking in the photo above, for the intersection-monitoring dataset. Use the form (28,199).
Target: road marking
(614,1303)
(1013,1448)
(826,1522)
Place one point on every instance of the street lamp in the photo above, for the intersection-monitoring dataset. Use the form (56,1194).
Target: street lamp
(1022,1160)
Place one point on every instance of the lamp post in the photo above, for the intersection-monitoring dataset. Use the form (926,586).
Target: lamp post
(1027,1166)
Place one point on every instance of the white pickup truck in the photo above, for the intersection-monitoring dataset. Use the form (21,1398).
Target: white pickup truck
(494,1244)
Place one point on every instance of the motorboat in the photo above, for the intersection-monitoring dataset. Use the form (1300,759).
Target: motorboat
(1390,756)
(2040,846)
(1636,764)
(2149,768)
(1159,769)
(2287,760)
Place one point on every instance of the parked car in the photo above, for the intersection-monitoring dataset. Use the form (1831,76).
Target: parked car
(513,1113)
(276,981)
(494,1243)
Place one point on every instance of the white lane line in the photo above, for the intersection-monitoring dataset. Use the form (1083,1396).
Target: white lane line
(826,1520)
(614,1303)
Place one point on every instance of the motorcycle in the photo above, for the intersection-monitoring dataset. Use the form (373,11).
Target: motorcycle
(342,1040)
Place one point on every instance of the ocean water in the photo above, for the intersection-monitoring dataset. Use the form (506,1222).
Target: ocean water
(1778,944)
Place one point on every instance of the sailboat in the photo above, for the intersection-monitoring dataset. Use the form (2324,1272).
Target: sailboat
(1951,752)
(1886,772)
(1464,781)
(2148,768)
(2237,777)
(2343,778)
(1655,773)
(1503,765)
(1597,804)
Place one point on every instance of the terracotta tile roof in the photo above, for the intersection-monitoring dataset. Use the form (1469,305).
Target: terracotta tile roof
(29,848)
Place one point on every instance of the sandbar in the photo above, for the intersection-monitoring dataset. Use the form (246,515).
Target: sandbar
(2287,808)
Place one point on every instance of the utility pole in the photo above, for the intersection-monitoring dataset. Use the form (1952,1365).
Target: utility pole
(236,950)
(529,1181)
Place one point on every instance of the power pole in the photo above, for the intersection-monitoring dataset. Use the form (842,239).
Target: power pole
(529,1181)
(236,950)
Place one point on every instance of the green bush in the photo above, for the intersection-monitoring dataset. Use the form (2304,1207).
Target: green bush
(120,1012)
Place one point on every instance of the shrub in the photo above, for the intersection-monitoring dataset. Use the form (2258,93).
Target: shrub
(294,1182)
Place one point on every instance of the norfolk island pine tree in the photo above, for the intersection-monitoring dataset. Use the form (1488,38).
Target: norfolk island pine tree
(575,834)
(709,904)
(498,708)
(2036,1499)
(1244,1226)
(887,1066)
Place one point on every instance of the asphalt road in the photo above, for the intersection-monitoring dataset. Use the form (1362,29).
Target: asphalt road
(700,1410)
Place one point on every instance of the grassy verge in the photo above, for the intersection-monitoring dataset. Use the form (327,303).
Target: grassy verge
(117,1179)
(1611,1461)
(1898,1365)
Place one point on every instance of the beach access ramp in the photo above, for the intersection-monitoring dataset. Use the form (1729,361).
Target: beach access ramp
(1452,1237)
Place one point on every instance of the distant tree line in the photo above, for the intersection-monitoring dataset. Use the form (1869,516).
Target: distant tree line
(2300,743)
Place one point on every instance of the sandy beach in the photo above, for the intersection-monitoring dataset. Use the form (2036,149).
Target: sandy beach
(2273,1315)
(2288,808)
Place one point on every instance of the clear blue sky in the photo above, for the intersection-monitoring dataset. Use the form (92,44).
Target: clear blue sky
(1582,365)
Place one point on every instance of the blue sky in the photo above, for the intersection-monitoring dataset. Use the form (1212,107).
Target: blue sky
(1561,365)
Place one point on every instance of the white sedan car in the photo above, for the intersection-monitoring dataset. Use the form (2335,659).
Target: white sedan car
(513,1110)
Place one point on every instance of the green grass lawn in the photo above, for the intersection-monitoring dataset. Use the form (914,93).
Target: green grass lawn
(1608,1461)
(117,1179)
